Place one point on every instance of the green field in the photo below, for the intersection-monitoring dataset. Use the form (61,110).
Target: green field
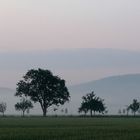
(38,128)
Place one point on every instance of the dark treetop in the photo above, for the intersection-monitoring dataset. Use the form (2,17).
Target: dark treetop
(43,87)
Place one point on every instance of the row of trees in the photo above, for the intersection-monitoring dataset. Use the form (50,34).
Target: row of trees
(133,108)
(43,87)
(90,103)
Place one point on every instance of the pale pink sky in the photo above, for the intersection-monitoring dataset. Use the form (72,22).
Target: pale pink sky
(29,25)
(49,24)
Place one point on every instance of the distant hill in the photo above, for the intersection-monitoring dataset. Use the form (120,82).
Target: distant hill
(74,65)
(117,91)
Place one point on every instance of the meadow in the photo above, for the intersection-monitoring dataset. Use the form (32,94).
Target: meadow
(69,128)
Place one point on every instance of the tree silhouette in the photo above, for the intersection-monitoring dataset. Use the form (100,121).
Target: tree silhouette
(23,105)
(3,107)
(92,103)
(43,87)
(135,106)
(83,108)
(119,111)
(127,109)
(66,111)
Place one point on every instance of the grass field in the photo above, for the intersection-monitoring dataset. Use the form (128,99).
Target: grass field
(69,128)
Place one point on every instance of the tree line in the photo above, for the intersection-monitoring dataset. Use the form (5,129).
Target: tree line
(41,86)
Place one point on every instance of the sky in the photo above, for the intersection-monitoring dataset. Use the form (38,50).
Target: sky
(55,25)
(49,24)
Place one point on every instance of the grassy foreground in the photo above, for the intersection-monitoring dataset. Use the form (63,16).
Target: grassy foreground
(69,128)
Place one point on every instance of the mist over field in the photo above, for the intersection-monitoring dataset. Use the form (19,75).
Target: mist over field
(112,73)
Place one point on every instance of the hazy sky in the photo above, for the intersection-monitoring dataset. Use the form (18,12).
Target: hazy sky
(30,25)
(47,24)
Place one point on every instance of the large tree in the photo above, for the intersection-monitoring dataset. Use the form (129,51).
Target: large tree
(92,103)
(43,87)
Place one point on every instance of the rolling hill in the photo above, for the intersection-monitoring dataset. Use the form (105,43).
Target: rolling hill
(117,91)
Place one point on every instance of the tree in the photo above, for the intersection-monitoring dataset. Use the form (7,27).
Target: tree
(92,103)
(135,106)
(127,109)
(119,111)
(43,87)
(66,111)
(23,105)
(3,107)
(123,111)
(106,112)
(83,108)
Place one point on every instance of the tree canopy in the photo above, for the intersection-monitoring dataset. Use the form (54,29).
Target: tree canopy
(43,87)
(134,106)
(92,103)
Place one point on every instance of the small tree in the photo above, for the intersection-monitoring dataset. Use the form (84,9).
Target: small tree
(119,111)
(92,103)
(106,112)
(24,105)
(123,111)
(55,109)
(127,109)
(66,111)
(62,111)
(135,106)
(3,107)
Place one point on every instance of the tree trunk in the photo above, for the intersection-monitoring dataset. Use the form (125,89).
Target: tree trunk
(127,113)
(85,113)
(134,113)
(44,112)
(91,113)
(44,109)
(23,114)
